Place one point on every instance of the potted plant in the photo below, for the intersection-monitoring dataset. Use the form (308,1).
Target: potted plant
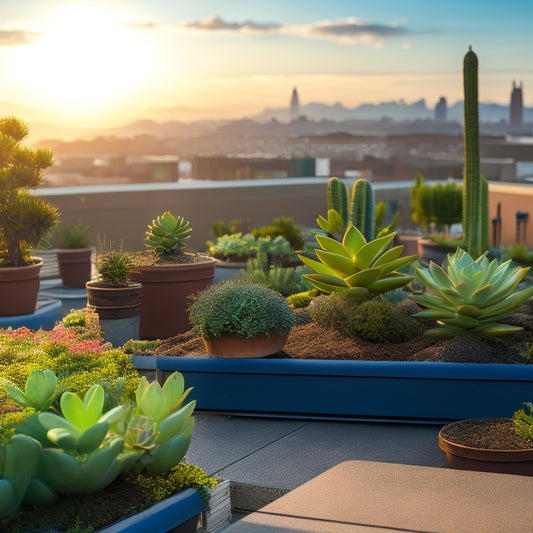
(239,319)
(114,297)
(169,276)
(81,447)
(74,255)
(24,218)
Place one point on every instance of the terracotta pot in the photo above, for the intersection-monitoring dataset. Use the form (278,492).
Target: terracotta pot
(166,289)
(75,266)
(468,457)
(118,309)
(114,302)
(235,347)
(19,287)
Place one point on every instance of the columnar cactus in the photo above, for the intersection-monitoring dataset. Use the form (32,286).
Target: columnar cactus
(474,201)
(338,198)
(363,209)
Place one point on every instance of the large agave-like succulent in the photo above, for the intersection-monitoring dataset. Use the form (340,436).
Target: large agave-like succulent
(471,296)
(167,233)
(355,267)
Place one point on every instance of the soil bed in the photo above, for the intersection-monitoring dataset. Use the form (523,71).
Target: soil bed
(311,341)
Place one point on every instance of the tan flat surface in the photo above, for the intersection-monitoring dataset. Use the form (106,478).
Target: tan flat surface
(370,496)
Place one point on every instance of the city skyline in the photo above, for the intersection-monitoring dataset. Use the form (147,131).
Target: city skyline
(103,63)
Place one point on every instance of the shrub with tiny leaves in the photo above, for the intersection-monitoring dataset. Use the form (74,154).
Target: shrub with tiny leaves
(241,309)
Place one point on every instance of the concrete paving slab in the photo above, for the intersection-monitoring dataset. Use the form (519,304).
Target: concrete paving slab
(285,455)
(220,441)
(374,496)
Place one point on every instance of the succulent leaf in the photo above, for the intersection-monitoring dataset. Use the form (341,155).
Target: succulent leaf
(471,296)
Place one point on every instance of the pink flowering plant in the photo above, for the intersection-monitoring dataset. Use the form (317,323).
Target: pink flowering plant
(78,357)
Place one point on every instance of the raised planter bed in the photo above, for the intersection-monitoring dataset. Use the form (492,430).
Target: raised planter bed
(421,392)
(177,514)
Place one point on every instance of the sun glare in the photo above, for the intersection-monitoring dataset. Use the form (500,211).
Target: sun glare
(87,61)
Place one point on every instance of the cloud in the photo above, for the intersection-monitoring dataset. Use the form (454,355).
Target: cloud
(345,31)
(15,37)
(348,31)
(215,23)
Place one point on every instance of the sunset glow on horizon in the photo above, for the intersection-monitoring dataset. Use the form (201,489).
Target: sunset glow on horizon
(102,63)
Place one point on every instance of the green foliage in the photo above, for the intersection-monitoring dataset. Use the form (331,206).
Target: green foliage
(25,219)
(357,267)
(333,311)
(519,252)
(441,204)
(113,267)
(84,449)
(285,280)
(128,494)
(167,234)
(523,421)
(240,308)
(471,296)
(75,319)
(380,321)
(140,347)
(302,299)
(282,227)
(219,227)
(75,236)
(238,247)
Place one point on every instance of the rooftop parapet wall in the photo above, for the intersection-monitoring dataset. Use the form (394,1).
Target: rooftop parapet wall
(122,212)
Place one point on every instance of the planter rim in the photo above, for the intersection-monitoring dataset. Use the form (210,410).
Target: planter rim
(162,516)
(483,454)
(392,369)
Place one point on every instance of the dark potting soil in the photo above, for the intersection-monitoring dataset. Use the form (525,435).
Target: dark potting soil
(485,433)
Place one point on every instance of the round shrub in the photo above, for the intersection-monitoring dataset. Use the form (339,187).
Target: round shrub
(380,321)
(241,309)
(333,311)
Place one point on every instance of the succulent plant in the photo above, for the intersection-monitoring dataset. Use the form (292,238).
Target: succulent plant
(471,296)
(167,234)
(162,424)
(113,267)
(39,392)
(18,463)
(356,267)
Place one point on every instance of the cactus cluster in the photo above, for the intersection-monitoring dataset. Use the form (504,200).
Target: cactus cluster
(167,234)
(362,211)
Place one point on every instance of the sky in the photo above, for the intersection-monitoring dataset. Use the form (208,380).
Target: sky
(107,63)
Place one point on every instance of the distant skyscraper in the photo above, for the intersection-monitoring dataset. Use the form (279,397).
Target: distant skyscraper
(295,105)
(441,109)
(516,105)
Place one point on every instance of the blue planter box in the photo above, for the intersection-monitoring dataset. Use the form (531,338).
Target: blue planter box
(422,392)
(177,513)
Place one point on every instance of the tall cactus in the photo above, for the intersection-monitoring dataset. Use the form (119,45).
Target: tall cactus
(363,209)
(475,201)
(338,198)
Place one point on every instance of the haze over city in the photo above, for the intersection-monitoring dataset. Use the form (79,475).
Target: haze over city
(99,64)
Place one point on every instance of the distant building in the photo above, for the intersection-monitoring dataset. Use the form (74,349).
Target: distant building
(516,105)
(441,110)
(295,105)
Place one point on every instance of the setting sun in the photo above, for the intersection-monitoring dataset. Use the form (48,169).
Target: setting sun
(86,61)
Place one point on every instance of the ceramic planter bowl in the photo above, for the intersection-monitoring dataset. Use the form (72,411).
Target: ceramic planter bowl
(508,454)
(237,348)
